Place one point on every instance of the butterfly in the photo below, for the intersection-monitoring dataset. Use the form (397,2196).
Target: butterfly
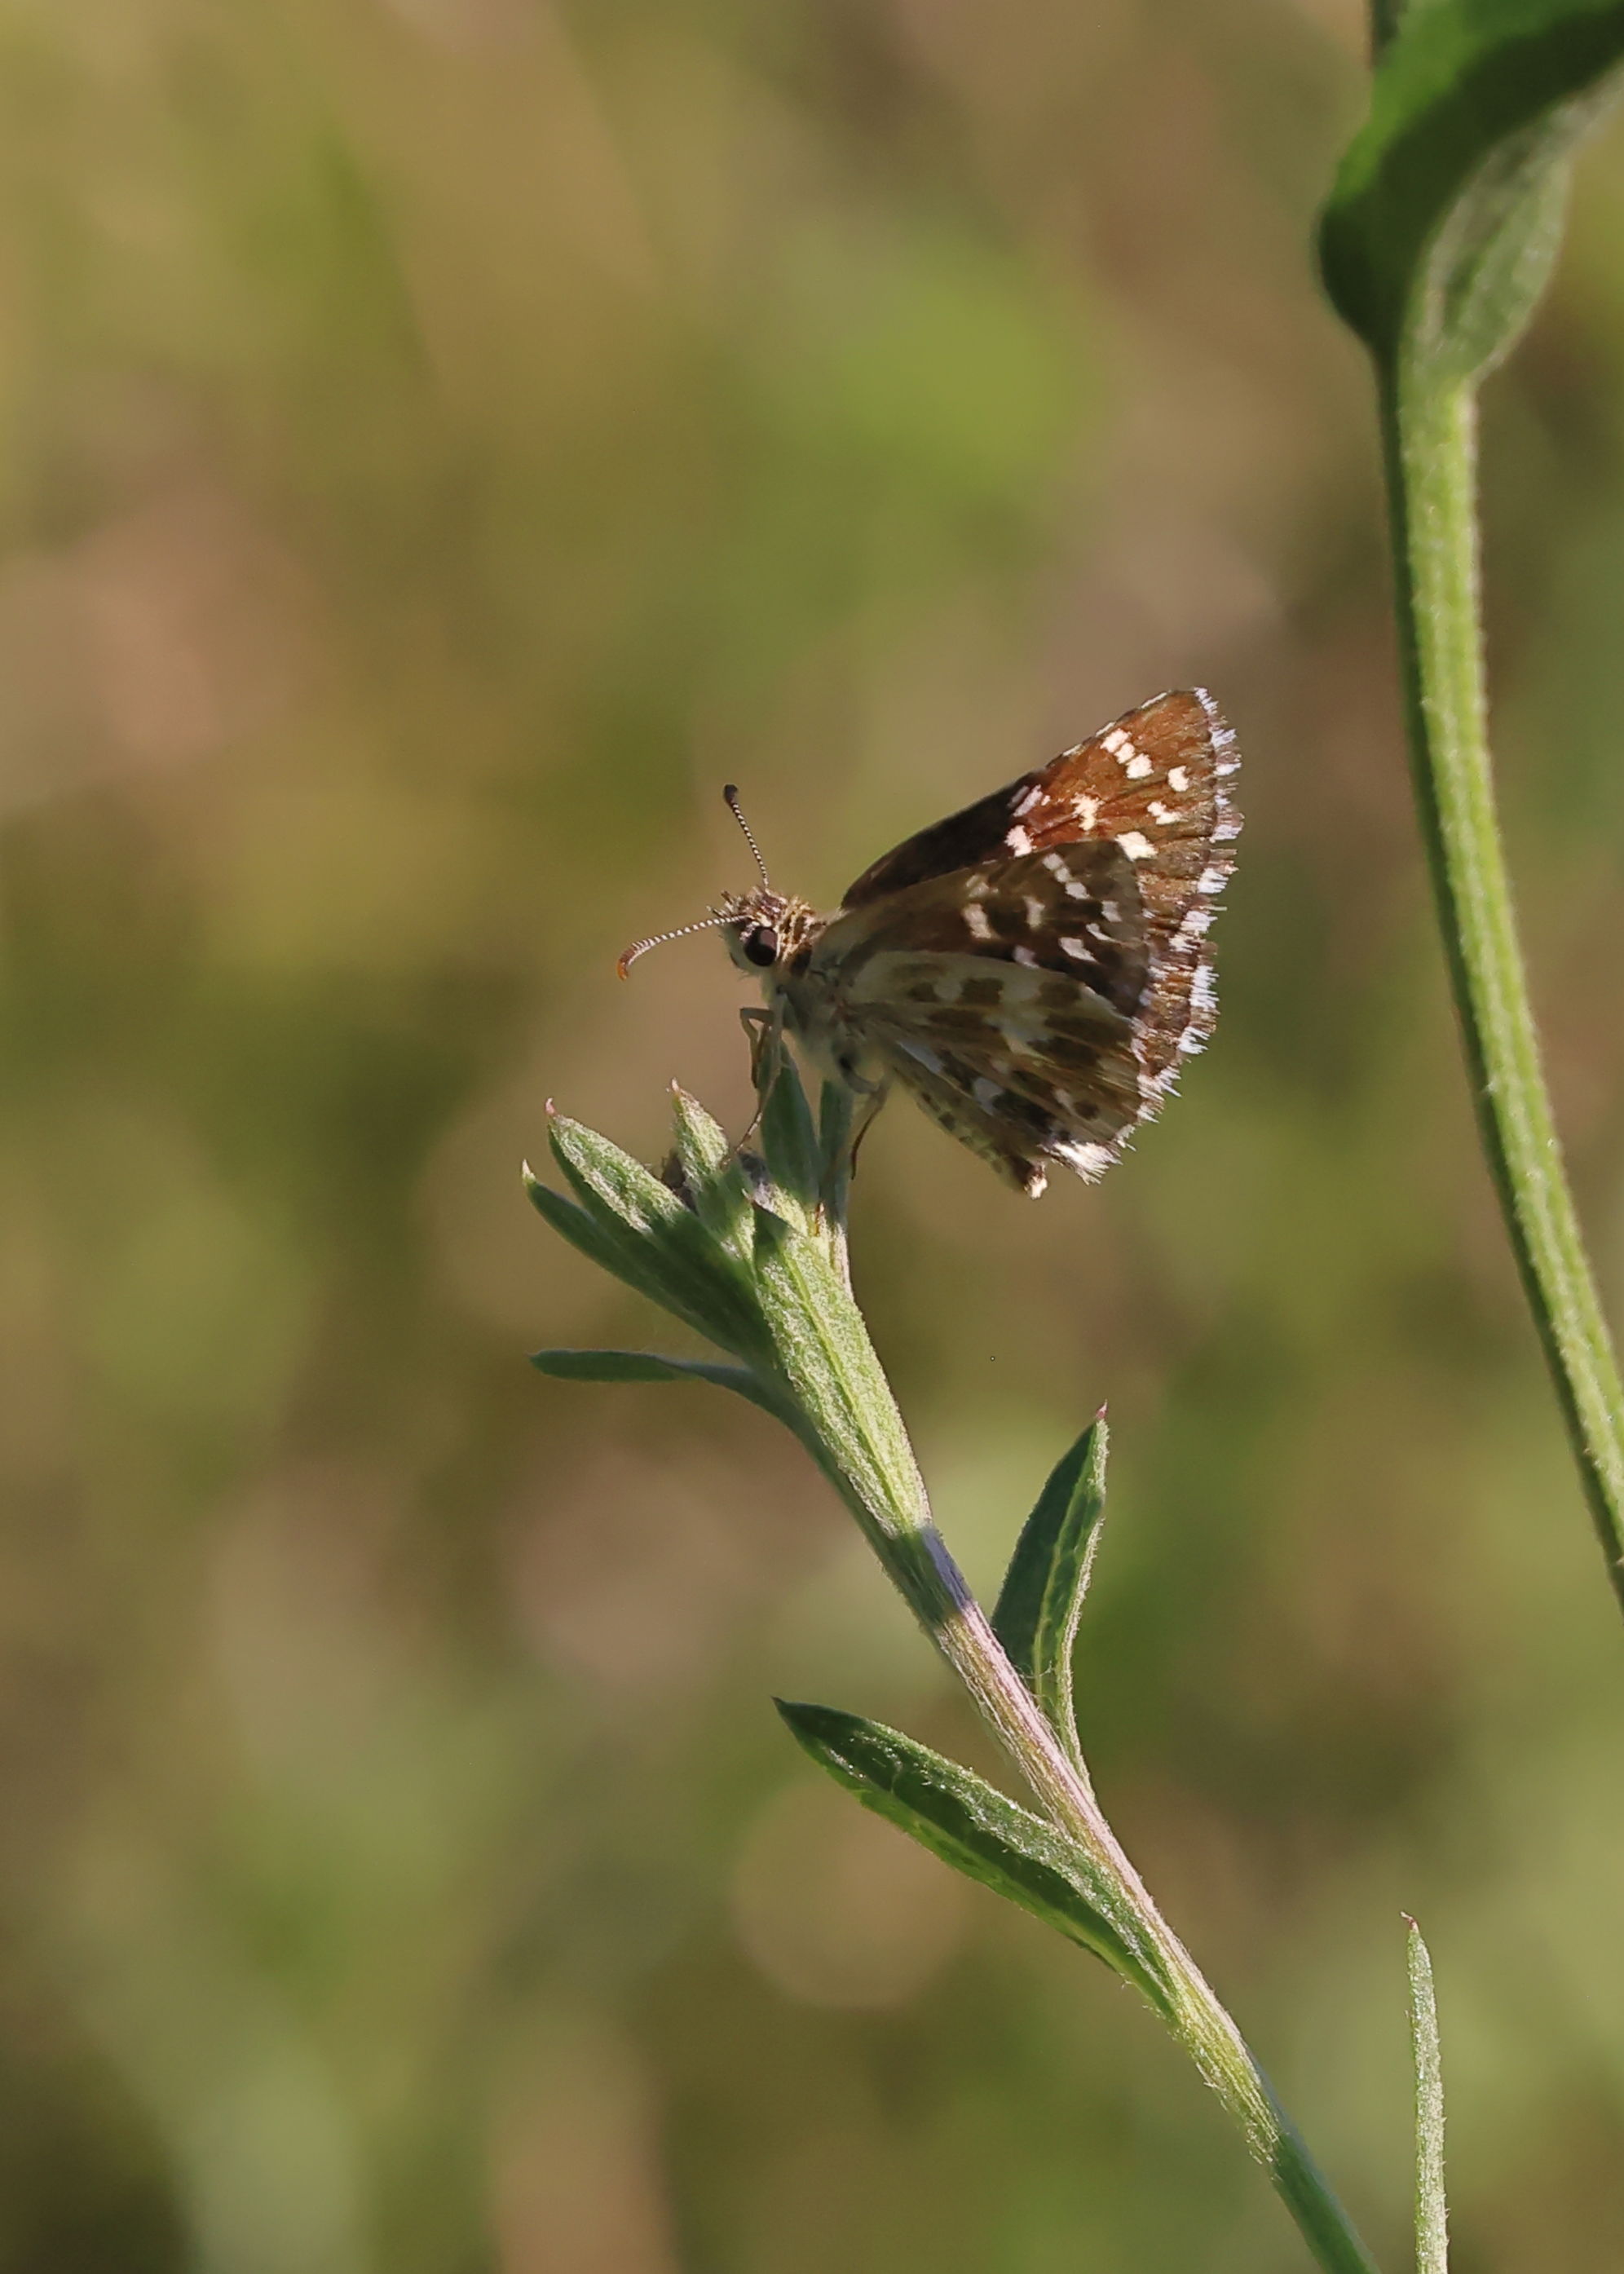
(1033,970)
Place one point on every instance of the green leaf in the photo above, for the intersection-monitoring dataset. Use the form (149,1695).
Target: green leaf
(1442,224)
(973,1827)
(821,1353)
(713,1174)
(1042,1599)
(790,1142)
(623,1255)
(677,1258)
(1432,2212)
(648,1365)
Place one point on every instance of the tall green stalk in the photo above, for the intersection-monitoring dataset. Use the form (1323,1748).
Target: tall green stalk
(751,1253)
(1436,244)
(1429,434)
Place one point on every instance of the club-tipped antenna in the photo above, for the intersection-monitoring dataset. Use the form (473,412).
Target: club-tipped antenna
(642,946)
(730,794)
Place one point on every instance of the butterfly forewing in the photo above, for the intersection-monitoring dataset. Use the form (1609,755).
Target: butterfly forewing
(1156,775)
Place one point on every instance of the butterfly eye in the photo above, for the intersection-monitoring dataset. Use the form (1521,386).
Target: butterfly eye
(762,945)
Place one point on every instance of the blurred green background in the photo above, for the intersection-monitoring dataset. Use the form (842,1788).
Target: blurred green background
(444,439)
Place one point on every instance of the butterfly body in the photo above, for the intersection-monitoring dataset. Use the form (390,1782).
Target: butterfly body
(1034,970)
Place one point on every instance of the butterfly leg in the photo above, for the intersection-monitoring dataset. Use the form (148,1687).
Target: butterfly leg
(765,1029)
(864,1100)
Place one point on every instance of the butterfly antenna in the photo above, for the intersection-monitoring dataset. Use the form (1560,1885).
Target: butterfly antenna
(642,946)
(730,794)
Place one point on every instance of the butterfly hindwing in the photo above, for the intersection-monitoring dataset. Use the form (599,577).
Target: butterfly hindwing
(1015,1061)
(1003,999)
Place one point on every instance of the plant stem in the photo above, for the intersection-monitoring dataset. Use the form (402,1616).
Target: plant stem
(1429,432)
(845,1396)
(964,1637)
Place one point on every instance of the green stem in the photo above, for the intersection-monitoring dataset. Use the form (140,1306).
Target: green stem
(1429,429)
(964,1637)
(857,1436)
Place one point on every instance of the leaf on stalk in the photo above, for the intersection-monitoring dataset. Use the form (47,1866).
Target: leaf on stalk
(821,1353)
(649,1365)
(671,1253)
(1432,2212)
(973,1827)
(714,1179)
(790,1145)
(1042,1599)
(622,1254)
(1441,226)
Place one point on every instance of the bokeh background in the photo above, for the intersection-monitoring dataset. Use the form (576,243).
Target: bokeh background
(444,439)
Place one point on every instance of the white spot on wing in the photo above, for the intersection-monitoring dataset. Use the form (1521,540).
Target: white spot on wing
(1017,840)
(1137,847)
(976,922)
(1089,1160)
(1225,757)
(1178,779)
(1138,766)
(927,1057)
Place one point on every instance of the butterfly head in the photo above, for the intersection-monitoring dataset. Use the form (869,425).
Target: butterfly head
(764,929)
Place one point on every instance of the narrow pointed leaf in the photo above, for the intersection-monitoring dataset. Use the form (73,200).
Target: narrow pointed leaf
(694,1276)
(1443,209)
(1041,1600)
(648,1365)
(821,1351)
(790,1144)
(610,1181)
(834,1136)
(624,1253)
(715,1178)
(973,1827)
(1432,2212)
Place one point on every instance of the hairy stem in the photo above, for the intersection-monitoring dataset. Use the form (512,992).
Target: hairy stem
(966,1639)
(849,1409)
(1429,427)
